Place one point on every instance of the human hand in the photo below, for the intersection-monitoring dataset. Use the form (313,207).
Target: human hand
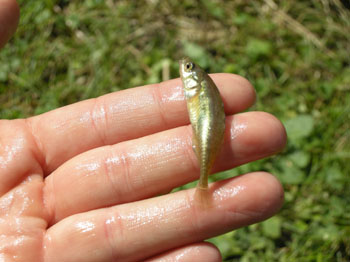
(82,183)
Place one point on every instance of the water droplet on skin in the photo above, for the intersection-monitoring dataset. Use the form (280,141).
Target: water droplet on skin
(228,192)
(237,129)
(85,226)
(177,94)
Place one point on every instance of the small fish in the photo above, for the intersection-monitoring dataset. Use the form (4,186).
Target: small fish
(207,116)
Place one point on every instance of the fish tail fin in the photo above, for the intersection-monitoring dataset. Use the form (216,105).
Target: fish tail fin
(202,196)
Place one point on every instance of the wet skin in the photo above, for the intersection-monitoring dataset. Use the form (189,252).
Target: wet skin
(80,183)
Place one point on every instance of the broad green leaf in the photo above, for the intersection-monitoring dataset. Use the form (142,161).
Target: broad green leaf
(299,127)
(272,227)
(292,174)
(300,158)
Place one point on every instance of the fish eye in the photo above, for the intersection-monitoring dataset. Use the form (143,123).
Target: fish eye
(189,66)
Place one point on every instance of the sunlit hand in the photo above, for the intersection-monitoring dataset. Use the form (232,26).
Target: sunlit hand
(80,183)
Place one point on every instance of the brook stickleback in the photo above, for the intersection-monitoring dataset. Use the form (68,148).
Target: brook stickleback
(207,116)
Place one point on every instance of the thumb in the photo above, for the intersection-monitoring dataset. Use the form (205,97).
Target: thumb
(9,16)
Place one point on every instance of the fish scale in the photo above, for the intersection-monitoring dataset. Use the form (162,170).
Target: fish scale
(207,116)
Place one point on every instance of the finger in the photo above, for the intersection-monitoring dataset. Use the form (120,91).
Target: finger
(148,166)
(135,231)
(66,132)
(19,157)
(204,251)
(9,16)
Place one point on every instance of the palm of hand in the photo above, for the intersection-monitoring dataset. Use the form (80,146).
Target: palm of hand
(70,179)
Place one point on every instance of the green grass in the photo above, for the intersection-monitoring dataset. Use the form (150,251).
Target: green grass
(296,54)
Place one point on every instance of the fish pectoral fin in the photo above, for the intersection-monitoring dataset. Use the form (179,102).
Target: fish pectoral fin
(204,84)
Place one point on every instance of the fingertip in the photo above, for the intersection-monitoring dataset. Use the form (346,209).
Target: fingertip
(258,132)
(275,130)
(203,251)
(270,192)
(9,17)
(249,198)
(207,252)
(211,251)
(232,87)
(248,90)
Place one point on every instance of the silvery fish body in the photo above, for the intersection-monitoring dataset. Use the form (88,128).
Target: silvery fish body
(207,116)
